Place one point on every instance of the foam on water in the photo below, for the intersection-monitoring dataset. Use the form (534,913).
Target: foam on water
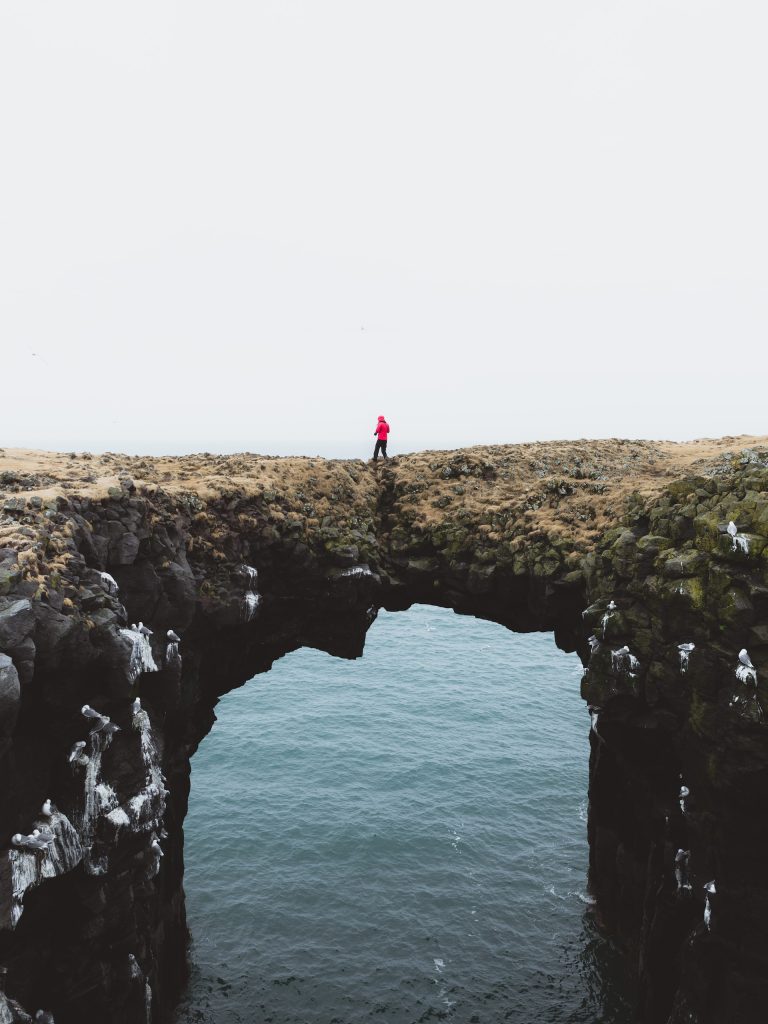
(394,828)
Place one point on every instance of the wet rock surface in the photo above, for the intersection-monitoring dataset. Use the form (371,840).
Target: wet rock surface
(143,600)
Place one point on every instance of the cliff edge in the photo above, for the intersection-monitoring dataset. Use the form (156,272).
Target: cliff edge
(135,591)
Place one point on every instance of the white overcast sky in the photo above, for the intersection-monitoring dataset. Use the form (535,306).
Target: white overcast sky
(257,224)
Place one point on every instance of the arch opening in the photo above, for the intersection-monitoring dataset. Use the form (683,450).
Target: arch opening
(401,837)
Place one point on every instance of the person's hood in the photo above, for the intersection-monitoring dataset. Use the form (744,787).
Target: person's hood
(380,419)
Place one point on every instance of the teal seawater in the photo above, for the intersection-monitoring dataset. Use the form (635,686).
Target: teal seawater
(398,839)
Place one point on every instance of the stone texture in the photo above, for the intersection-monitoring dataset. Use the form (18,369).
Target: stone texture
(10,694)
(17,621)
(537,538)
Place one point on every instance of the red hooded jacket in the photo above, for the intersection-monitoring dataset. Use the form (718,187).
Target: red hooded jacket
(382,429)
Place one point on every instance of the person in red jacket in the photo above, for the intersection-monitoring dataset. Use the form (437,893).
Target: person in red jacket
(381,431)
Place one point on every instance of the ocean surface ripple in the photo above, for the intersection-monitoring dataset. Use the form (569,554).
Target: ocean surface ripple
(399,839)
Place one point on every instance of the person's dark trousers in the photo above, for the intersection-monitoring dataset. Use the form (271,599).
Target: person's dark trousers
(381,446)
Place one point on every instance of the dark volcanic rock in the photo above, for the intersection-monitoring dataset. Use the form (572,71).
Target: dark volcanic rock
(10,695)
(659,601)
(17,620)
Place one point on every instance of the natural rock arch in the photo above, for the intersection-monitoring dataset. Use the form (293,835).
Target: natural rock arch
(534,537)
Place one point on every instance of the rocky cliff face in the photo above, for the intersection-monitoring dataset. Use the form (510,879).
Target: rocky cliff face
(133,593)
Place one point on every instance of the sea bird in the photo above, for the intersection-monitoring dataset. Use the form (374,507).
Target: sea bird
(36,841)
(711,891)
(683,795)
(76,751)
(744,658)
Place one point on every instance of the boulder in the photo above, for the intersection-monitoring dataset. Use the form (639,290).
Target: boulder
(10,695)
(23,655)
(17,620)
(344,555)
(6,1013)
(124,549)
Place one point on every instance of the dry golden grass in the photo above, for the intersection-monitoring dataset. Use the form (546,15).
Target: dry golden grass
(574,488)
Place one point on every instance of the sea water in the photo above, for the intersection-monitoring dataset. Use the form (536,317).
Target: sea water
(399,838)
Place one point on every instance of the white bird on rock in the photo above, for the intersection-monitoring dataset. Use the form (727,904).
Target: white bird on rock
(681,870)
(594,713)
(744,658)
(46,809)
(136,707)
(732,528)
(155,848)
(76,751)
(173,637)
(101,723)
(43,1017)
(612,606)
(682,796)
(710,891)
(144,630)
(687,648)
(104,724)
(36,841)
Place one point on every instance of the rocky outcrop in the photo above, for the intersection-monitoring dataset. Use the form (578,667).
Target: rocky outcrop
(130,603)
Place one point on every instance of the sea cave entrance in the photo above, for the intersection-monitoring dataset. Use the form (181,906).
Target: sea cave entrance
(399,838)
